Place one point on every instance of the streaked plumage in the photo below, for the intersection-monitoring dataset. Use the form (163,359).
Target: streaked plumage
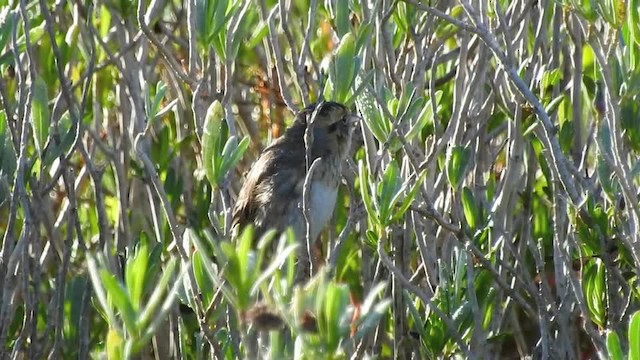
(271,196)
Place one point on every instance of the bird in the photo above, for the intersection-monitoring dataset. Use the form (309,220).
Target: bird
(271,196)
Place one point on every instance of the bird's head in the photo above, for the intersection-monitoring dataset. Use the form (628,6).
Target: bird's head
(333,126)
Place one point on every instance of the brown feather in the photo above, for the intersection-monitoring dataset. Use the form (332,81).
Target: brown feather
(272,192)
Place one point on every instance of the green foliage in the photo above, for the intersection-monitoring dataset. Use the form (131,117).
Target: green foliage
(345,67)
(41,116)
(389,200)
(219,160)
(594,291)
(457,162)
(131,325)
(497,166)
(634,336)
(614,347)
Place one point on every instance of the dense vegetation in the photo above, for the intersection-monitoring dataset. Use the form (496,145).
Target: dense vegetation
(489,208)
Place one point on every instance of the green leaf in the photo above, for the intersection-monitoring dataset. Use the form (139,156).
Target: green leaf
(372,238)
(41,118)
(388,190)
(613,11)
(437,337)
(35,35)
(342,18)
(594,290)
(7,20)
(425,117)
(633,22)
(410,196)
(344,67)
(336,300)
(613,346)
(218,13)
(218,44)
(99,291)
(363,177)
(549,108)
(471,212)
(213,273)
(364,35)
(258,35)
(371,319)
(120,299)
(210,18)
(415,315)
(160,311)
(273,266)
(634,337)
(135,271)
(104,20)
(161,89)
(238,36)
(238,152)
(114,345)
(205,285)
(68,132)
(150,311)
(211,138)
(371,115)
(227,152)
(3,129)
(586,8)
(553,104)
(242,268)
(606,174)
(401,18)
(457,161)
(243,251)
(550,78)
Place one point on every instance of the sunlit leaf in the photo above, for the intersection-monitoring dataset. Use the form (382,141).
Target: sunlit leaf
(408,200)
(470,208)
(342,17)
(114,345)
(40,115)
(211,138)
(363,176)
(372,117)
(205,285)
(121,300)
(457,162)
(7,20)
(151,308)
(634,337)
(336,300)
(344,67)
(594,291)
(388,189)
(613,346)
(135,271)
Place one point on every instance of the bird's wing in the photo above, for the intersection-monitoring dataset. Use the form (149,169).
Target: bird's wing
(273,184)
(245,207)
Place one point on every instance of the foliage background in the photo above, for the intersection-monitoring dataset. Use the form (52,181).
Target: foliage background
(490,207)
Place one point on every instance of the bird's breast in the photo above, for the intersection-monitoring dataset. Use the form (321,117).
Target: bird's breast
(322,199)
(322,202)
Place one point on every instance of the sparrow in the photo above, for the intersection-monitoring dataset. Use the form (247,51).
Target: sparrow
(272,194)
